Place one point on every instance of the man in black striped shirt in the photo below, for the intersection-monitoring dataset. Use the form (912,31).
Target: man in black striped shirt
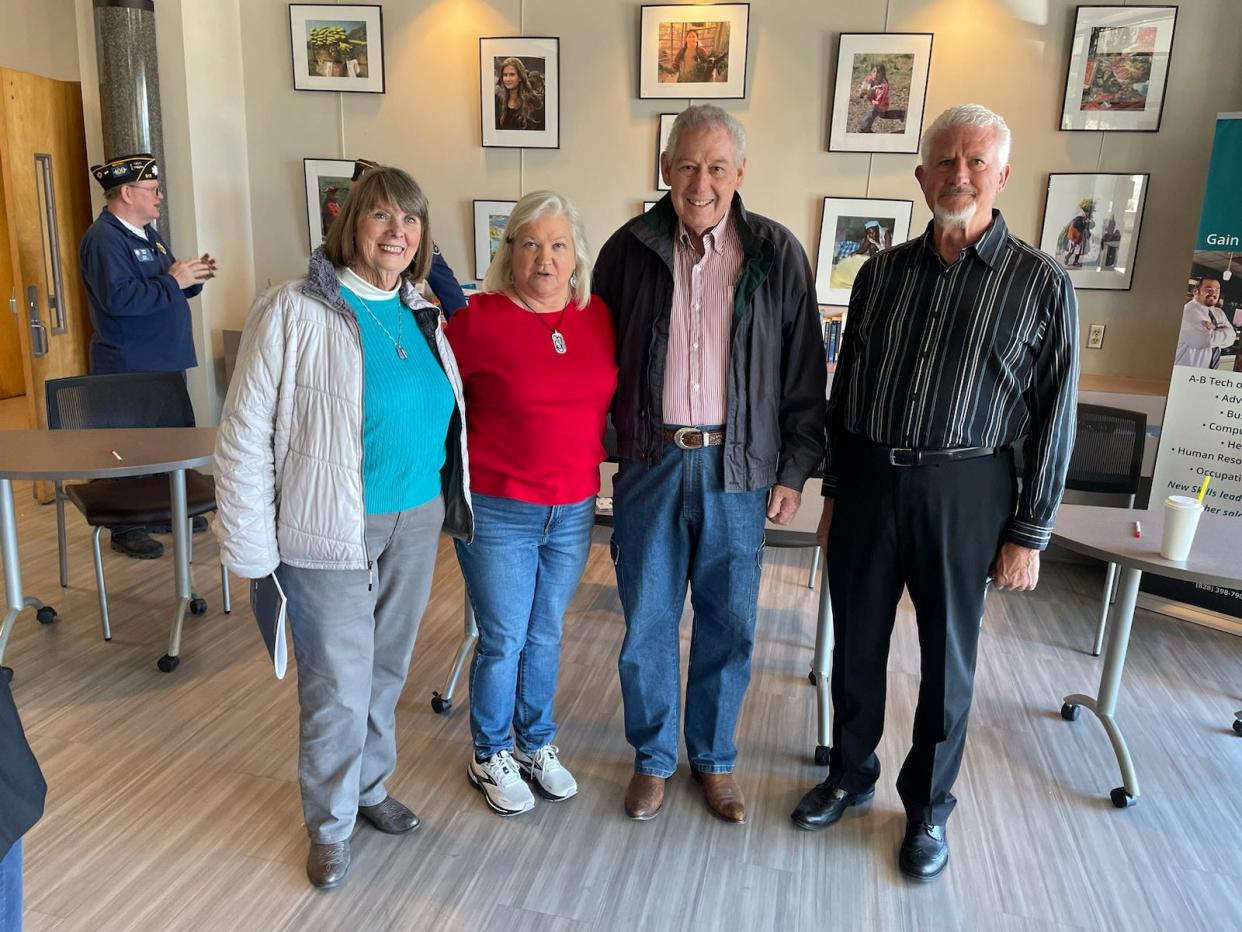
(959,345)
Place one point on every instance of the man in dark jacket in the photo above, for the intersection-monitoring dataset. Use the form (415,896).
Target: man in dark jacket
(21,804)
(137,292)
(718,412)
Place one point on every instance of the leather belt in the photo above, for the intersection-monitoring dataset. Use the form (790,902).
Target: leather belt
(905,456)
(691,438)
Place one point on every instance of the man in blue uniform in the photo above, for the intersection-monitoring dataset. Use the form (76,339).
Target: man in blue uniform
(137,290)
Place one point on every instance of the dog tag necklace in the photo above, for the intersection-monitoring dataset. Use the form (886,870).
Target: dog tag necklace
(558,341)
(401,353)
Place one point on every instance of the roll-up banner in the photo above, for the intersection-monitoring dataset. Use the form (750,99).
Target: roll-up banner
(1202,431)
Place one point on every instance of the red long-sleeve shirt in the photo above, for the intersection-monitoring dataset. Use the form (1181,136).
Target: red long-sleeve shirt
(534,417)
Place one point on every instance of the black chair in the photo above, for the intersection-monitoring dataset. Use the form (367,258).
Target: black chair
(125,400)
(1107,459)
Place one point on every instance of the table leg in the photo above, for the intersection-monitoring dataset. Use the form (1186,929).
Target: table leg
(14,599)
(1104,705)
(821,671)
(443,702)
(181,565)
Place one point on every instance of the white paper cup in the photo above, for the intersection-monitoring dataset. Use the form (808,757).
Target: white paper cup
(1181,519)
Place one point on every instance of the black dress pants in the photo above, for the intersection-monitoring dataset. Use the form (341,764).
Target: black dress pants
(934,530)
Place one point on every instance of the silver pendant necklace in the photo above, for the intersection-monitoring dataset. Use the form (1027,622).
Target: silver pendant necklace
(558,341)
(401,353)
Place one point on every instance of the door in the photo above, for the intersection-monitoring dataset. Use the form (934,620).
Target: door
(44,180)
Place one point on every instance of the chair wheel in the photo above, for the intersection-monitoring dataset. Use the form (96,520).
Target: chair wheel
(1069,712)
(440,705)
(198,606)
(1121,799)
(821,755)
(167,664)
(46,615)
(811,677)
(1237,727)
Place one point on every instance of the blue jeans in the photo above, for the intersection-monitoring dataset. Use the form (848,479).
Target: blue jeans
(521,571)
(675,525)
(11,889)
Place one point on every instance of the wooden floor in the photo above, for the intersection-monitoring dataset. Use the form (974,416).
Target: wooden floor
(173,802)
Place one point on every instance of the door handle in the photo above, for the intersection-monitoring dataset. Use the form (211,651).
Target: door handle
(13,303)
(38,332)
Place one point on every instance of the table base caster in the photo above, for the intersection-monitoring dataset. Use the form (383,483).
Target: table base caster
(821,755)
(198,606)
(1121,799)
(167,664)
(46,615)
(1069,712)
(440,705)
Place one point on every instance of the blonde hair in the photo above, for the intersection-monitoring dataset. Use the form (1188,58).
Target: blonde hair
(381,186)
(532,207)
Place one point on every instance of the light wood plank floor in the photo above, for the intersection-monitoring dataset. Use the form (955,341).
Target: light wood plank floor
(174,804)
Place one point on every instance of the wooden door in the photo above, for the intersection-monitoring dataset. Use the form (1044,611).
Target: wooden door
(44,176)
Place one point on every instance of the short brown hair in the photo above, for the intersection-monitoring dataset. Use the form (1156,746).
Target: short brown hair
(381,186)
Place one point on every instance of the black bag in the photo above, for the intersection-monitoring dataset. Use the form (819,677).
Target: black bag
(22,788)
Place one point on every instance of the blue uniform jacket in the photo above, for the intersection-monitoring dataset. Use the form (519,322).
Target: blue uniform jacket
(443,284)
(140,314)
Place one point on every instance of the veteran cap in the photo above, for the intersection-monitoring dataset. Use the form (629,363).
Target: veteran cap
(126,170)
(361,166)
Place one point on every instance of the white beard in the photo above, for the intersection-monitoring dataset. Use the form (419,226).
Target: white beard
(954,218)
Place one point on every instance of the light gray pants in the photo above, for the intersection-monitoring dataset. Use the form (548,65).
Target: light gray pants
(353,647)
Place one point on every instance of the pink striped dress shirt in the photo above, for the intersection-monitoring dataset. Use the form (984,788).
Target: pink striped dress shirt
(697,370)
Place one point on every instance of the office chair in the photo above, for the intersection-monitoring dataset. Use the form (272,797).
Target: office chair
(121,400)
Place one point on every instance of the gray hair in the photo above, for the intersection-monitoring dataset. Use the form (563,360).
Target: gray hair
(708,116)
(532,207)
(968,115)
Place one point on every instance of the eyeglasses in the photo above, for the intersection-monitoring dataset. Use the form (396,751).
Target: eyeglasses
(152,191)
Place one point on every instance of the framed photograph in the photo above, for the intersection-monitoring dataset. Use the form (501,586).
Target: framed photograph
(881,86)
(1091,226)
(520,92)
(337,48)
(647,205)
(1118,68)
(490,220)
(853,230)
(666,127)
(694,51)
(327,183)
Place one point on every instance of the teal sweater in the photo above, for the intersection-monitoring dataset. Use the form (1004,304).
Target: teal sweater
(407,404)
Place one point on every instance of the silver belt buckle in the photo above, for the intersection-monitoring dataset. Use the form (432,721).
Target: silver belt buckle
(892,455)
(679,437)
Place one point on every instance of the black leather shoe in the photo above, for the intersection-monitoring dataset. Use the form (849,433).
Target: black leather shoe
(327,865)
(137,544)
(825,804)
(924,851)
(390,816)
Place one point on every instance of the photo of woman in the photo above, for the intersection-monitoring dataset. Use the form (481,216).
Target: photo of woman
(693,63)
(519,94)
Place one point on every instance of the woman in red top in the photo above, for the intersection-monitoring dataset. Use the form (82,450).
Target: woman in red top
(536,356)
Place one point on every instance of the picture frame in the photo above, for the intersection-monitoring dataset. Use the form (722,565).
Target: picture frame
(527,115)
(490,218)
(327,184)
(1091,226)
(666,127)
(708,65)
(647,205)
(337,48)
(853,229)
(880,91)
(1118,68)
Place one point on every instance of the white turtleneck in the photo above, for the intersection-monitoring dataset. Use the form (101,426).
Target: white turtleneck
(364,289)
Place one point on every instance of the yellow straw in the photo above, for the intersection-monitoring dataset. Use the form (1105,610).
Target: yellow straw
(1203,488)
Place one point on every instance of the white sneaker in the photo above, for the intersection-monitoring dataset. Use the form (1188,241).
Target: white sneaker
(497,778)
(545,770)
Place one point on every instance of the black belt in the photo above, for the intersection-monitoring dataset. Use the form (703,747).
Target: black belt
(691,438)
(906,456)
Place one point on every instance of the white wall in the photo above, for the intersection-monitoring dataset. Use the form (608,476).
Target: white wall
(38,37)
(1008,54)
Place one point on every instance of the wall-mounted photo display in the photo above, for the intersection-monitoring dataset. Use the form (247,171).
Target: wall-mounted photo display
(852,231)
(327,183)
(881,86)
(1118,68)
(490,220)
(666,127)
(337,48)
(694,51)
(1091,226)
(520,92)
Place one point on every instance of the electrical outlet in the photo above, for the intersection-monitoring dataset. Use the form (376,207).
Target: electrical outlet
(1095,336)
